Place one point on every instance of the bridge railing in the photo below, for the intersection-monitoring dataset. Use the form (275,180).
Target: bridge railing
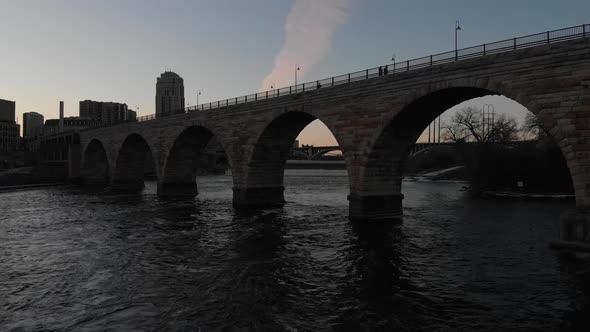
(580,31)
(548,37)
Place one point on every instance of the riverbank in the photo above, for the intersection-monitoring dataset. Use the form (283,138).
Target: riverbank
(26,177)
(315,164)
(30,186)
(527,196)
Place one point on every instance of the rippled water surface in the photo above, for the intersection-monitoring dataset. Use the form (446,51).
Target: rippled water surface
(74,260)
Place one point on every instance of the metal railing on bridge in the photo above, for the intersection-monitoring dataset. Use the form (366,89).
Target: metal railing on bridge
(548,37)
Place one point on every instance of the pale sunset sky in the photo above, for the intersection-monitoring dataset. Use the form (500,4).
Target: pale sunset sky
(114,50)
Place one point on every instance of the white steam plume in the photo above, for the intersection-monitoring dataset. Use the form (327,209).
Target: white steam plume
(308,39)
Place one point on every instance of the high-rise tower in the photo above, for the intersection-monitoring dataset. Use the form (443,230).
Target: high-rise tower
(169,94)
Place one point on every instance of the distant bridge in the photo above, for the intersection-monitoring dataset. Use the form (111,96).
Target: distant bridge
(310,152)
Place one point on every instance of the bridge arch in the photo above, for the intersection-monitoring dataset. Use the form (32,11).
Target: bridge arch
(134,160)
(96,165)
(178,176)
(379,193)
(261,182)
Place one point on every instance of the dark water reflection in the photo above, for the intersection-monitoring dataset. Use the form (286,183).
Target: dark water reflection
(91,261)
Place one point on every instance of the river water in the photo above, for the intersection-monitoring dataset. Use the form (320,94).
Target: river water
(75,260)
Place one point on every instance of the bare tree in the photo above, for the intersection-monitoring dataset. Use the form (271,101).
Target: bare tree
(454,132)
(505,129)
(469,125)
(533,126)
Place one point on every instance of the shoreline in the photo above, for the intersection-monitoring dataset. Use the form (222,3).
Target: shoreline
(526,196)
(30,186)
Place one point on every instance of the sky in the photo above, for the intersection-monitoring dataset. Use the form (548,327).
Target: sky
(113,50)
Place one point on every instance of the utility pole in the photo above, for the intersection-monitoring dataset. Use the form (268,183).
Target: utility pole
(434,131)
(439,129)
(488,110)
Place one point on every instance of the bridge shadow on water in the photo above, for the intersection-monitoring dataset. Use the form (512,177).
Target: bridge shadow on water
(577,317)
(381,291)
(275,287)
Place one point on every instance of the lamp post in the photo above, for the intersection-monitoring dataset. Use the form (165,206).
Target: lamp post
(457,28)
(296,70)
(198,94)
(393,59)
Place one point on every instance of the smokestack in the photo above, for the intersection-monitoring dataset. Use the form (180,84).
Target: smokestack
(61,116)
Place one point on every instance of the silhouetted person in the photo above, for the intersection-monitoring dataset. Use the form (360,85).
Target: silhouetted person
(385,71)
(380,71)
(319,85)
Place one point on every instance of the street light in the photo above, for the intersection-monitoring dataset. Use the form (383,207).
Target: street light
(272,88)
(198,94)
(457,28)
(296,70)
(393,59)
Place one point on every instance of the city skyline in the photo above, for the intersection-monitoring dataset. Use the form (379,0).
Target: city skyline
(76,67)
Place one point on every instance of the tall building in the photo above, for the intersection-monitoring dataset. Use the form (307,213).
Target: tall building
(107,113)
(32,124)
(9,129)
(169,94)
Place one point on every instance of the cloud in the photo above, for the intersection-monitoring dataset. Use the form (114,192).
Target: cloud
(309,29)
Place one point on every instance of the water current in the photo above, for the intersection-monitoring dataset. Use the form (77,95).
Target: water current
(79,260)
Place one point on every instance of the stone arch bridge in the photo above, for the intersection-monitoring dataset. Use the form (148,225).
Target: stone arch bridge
(376,119)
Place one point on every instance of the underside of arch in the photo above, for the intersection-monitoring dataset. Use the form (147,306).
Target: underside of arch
(135,159)
(178,178)
(378,195)
(265,170)
(95,169)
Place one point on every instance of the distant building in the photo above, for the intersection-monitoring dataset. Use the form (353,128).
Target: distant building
(7,108)
(52,126)
(9,129)
(32,125)
(169,94)
(131,115)
(107,113)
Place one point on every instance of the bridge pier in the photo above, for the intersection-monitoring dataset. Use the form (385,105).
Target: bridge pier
(95,181)
(186,190)
(259,197)
(127,185)
(574,232)
(375,207)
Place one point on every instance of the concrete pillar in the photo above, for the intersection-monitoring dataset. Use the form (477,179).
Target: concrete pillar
(98,180)
(96,170)
(575,232)
(181,190)
(363,207)
(130,185)
(259,197)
